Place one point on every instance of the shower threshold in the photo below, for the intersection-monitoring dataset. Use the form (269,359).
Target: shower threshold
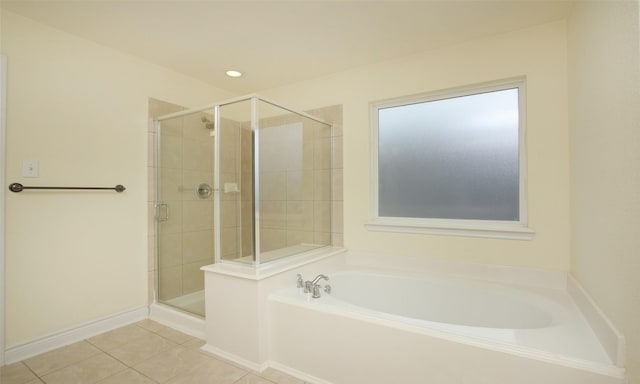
(178,318)
(192,303)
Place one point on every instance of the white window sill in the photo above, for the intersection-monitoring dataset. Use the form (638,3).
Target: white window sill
(466,228)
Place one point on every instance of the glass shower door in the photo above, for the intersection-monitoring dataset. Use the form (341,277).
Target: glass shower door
(184,210)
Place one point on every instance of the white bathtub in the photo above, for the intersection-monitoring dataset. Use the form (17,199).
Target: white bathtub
(378,327)
(460,302)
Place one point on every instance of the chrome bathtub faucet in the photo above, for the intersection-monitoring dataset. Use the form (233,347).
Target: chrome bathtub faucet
(315,286)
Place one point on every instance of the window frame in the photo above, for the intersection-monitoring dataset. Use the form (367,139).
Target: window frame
(506,229)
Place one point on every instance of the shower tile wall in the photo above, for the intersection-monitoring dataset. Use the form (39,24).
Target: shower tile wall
(333,115)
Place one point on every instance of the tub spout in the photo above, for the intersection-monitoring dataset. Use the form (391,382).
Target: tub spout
(318,278)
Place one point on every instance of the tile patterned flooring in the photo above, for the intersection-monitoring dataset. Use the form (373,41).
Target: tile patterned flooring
(142,353)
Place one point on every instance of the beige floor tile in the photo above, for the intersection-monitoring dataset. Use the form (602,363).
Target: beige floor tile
(172,363)
(280,377)
(253,379)
(88,371)
(114,339)
(129,376)
(61,357)
(195,344)
(173,335)
(143,353)
(17,373)
(141,348)
(150,325)
(212,372)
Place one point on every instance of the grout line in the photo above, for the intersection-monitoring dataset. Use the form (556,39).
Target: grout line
(41,377)
(31,370)
(255,374)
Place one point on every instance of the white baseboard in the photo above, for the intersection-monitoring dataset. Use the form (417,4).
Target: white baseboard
(74,334)
(262,367)
(297,374)
(235,359)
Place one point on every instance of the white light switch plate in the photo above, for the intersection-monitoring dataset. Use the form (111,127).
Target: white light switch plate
(30,168)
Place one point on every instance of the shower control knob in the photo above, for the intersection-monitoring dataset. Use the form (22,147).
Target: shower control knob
(204,190)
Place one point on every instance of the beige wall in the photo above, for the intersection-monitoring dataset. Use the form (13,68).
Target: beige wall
(604,86)
(537,53)
(81,110)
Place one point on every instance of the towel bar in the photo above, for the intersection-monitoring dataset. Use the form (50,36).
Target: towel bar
(17,187)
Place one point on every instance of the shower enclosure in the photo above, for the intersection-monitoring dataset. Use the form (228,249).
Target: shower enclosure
(243,181)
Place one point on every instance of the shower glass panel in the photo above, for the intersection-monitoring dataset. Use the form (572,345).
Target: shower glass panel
(294,169)
(287,155)
(184,209)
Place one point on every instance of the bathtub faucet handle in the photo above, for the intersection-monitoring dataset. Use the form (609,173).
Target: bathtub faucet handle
(300,282)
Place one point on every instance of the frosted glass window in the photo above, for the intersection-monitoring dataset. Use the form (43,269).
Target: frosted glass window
(454,157)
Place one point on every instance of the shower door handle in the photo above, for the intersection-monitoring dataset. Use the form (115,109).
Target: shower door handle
(162,211)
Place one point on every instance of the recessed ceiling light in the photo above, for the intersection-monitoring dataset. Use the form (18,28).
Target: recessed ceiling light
(234,73)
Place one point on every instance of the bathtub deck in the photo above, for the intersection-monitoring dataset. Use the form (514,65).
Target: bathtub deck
(572,340)
(567,351)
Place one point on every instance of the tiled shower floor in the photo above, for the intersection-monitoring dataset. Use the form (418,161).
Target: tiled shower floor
(142,353)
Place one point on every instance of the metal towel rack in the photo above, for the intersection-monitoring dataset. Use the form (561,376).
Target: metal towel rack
(17,187)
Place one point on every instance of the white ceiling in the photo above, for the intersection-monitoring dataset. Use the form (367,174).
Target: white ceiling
(279,42)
